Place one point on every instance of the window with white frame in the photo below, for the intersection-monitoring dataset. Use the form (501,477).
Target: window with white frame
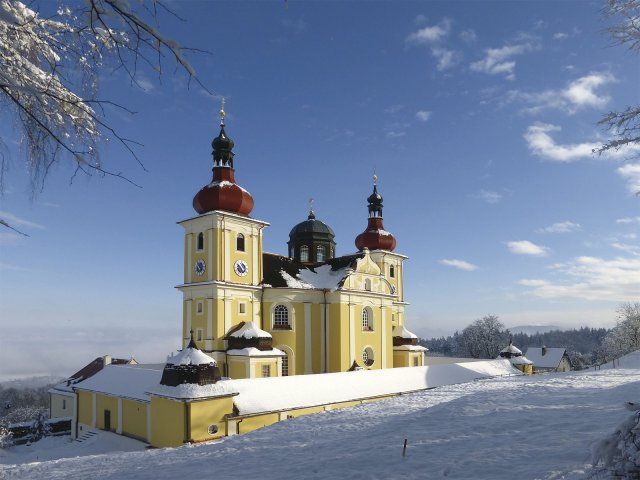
(319,253)
(281,317)
(242,307)
(367,319)
(199,334)
(392,271)
(367,356)
(285,365)
(199,307)
(304,253)
(240,243)
(200,245)
(266,370)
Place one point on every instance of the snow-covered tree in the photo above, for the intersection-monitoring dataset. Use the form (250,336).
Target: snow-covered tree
(49,72)
(625,336)
(484,338)
(625,124)
(619,453)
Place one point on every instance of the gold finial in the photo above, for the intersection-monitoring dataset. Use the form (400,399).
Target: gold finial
(222,113)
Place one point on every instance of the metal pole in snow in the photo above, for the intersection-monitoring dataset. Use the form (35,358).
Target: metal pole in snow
(404,449)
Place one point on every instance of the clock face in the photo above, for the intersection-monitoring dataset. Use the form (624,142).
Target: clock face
(241,268)
(200,267)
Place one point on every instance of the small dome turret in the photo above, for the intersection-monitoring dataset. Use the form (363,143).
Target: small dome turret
(311,241)
(190,365)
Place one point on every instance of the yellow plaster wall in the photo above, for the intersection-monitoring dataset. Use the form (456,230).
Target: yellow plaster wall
(206,413)
(104,402)
(249,424)
(85,408)
(236,255)
(338,360)
(400,359)
(61,405)
(167,422)
(134,419)
(237,367)
(273,363)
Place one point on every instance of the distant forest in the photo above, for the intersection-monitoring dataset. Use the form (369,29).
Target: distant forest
(581,344)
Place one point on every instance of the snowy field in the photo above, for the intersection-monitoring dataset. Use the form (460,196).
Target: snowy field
(508,427)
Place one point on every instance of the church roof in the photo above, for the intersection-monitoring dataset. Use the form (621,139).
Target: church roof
(249,330)
(285,272)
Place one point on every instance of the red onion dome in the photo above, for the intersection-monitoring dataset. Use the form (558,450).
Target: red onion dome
(375,237)
(223,193)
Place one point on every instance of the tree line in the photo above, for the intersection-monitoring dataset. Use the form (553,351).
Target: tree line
(487,336)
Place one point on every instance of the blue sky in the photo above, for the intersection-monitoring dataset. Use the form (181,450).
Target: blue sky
(478,118)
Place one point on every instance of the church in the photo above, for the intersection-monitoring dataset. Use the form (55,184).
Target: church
(258,314)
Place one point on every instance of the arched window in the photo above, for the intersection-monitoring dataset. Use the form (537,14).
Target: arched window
(240,243)
(392,271)
(319,253)
(285,365)
(304,253)
(367,356)
(367,320)
(200,241)
(281,317)
(367,284)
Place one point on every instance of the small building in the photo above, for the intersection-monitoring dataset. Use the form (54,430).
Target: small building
(514,355)
(549,359)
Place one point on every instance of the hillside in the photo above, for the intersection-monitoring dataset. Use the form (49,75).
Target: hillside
(521,427)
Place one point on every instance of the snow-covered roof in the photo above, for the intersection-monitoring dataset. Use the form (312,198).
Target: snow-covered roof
(551,358)
(412,348)
(250,330)
(322,277)
(190,356)
(520,360)
(193,390)
(401,331)
(261,395)
(511,349)
(124,381)
(254,352)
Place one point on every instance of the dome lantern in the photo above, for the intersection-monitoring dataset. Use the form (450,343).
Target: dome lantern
(375,237)
(311,241)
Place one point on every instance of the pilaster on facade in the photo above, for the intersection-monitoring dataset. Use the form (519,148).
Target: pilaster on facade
(308,368)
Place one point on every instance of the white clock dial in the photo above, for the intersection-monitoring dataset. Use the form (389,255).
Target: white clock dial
(200,267)
(241,268)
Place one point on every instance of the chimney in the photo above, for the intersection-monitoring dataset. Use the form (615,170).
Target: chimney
(544,350)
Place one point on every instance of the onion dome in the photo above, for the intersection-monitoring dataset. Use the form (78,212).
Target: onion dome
(247,335)
(375,237)
(223,193)
(510,351)
(190,365)
(311,241)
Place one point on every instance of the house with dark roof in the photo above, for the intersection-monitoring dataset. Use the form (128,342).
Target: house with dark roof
(547,359)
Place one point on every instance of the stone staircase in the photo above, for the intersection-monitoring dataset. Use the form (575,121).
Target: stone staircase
(89,434)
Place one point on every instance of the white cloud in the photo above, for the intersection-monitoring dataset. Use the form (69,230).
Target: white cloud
(468,36)
(446,58)
(14,220)
(432,33)
(628,220)
(498,60)
(541,144)
(459,264)
(525,247)
(592,278)
(560,227)
(578,94)
(394,108)
(560,36)
(393,134)
(488,196)
(625,247)
(631,173)
(146,85)
(423,115)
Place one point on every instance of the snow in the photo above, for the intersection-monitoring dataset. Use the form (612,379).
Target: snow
(124,381)
(551,359)
(250,330)
(524,427)
(520,360)
(324,277)
(190,390)
(300,391)
(190,356)
(511,349)
(401,331)
(411,348)
(254,352)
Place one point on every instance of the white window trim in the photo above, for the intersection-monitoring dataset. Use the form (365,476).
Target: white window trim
(370,319)
(306,247)
(240,305)
(290,357)
(245,242)
(292,317)
(203,242)
(199,307)
(199,335)
(262,370)
(371,357)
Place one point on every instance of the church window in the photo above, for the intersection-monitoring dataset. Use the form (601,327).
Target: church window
(200,245)
(367,284)
(281,317)
(319,253)
(367,319)
(199,334)
(213,429)
(285,365)
(266,370)
(240,243)
(199,307)
(367,356)
(392,271)
(304,253)
(242,307)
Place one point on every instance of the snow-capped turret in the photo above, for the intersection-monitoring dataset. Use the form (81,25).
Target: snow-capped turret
(247,335)
(375,237)
(190,365)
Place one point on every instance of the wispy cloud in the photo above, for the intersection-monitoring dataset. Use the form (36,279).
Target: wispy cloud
(525,247)
(631,173)
(394,108)
(15,220)
(468,36)
(627,220)
(543,145)
(561,227)
(560,36)
(488,196)
(431,34)
(423,115)
(459,264)
(577,95)
(591,278)
(498,61)
(394,134)
(625,247)
(446,57)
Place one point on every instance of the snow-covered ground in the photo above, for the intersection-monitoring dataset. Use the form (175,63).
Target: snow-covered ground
(508,427)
